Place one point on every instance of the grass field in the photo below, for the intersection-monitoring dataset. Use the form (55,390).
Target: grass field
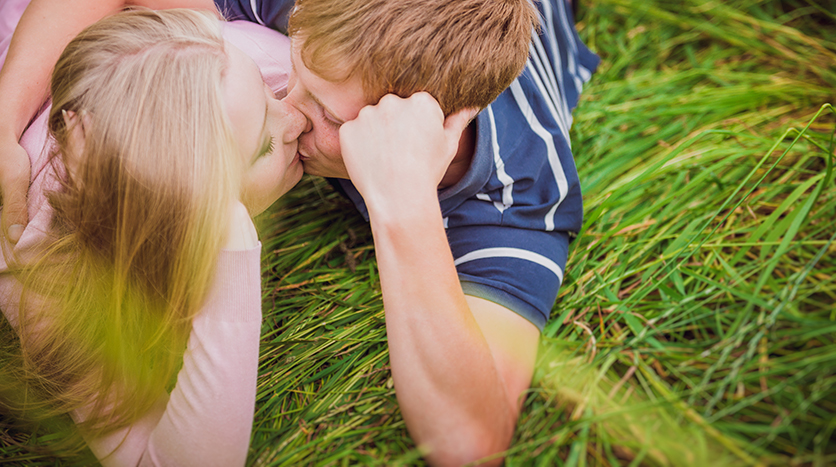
(696,324)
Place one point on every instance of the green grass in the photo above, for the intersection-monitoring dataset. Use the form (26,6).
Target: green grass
(696,324)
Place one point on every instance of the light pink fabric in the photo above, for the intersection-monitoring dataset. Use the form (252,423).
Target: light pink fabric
(207,419)
(10,11)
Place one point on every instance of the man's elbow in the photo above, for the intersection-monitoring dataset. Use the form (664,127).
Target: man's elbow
(483,447)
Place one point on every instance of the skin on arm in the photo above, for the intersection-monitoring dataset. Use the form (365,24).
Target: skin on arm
(459,363)
(513,341)
(45,28)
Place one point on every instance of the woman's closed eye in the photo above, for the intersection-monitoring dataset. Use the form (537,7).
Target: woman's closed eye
(266,149)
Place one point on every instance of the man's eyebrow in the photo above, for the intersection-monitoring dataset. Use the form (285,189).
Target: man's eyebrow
(329,111)
(309,94)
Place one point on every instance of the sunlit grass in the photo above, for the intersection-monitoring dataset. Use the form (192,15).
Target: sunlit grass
(696,323)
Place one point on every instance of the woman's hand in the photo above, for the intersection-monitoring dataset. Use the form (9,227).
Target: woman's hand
(15,171)
(240,233)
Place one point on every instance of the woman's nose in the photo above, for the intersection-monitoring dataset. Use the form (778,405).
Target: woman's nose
(294,98)
(295,122)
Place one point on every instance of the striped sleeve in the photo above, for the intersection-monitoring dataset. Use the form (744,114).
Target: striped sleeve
(510,238)
(521,270)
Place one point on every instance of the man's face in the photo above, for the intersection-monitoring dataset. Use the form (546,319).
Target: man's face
(327,105)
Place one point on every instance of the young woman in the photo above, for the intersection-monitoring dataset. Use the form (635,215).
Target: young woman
(134,289)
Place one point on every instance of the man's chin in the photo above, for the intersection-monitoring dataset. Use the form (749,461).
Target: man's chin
(312,168)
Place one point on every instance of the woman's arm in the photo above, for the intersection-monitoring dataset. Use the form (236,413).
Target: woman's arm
(43,31)
(209,415)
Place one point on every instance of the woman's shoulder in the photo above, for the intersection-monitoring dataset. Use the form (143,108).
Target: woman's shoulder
(270,50)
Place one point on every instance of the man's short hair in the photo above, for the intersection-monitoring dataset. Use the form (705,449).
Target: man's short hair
(463,52)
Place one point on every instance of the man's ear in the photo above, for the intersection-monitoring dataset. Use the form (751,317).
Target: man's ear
(458,121)
(77,127)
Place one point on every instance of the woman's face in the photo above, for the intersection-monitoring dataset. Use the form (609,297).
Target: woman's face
(266,130)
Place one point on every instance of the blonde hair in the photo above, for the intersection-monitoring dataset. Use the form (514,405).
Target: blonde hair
(463,52)
(140,217)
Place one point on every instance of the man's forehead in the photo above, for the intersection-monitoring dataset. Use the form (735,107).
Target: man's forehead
(343,100)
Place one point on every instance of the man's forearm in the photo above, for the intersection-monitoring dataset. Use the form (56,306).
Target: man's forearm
(447,383)
(450,388)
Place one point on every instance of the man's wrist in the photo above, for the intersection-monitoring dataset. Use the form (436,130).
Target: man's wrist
(404,211)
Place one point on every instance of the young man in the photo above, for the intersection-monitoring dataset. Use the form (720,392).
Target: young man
(471,232)
(471,222)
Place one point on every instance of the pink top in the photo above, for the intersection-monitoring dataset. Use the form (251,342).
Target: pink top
(207,418)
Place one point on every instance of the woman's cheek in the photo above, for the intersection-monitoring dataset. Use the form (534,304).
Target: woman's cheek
(267,180)
(261,184)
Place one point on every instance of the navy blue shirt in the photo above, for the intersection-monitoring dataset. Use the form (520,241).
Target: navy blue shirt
(272,14)
(510,219)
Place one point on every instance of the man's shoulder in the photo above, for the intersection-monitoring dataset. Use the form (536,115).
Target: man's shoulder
(522,175)
(270,13)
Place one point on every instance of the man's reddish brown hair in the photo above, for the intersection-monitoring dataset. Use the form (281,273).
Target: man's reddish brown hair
(463,52)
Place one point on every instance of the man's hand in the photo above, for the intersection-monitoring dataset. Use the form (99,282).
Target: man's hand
(399,146)
(14,184)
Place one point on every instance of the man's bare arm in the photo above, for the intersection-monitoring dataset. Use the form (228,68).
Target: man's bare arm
(459,363)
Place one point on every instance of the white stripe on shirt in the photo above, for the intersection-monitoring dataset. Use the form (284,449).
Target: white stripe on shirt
(512,253)
(573,52)
(486,197)
(554,160)
(558,98)
(255,12)
(558,61)
(559,117)
(541,59)
(504,178)
(552,35)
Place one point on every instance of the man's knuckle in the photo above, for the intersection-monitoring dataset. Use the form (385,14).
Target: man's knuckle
(425,98)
